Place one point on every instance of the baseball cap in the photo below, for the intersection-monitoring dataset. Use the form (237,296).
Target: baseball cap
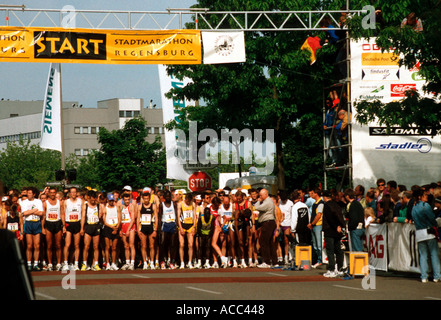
(110,197)
(146,190)
(127,188)
(4,198)
(198,197)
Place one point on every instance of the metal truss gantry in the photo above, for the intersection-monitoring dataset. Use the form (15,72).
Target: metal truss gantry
(203,19)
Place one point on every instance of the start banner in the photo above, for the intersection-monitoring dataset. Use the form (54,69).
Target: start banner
(60,45)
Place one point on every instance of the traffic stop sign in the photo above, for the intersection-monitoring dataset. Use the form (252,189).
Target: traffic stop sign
(199,181)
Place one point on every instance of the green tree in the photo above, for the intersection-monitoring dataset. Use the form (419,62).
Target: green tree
(412,47)
(275,88)
(24,164)
(126,158)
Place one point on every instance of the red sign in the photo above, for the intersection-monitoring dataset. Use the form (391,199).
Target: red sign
(199,181)
(398,90)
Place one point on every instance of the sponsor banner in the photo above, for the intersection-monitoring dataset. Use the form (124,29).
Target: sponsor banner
(402,247)
(99,46)
(376,246)
(399,89)
(51,118)
(223,47)
(405,155)
(378,59)
(380,74)
(170,111)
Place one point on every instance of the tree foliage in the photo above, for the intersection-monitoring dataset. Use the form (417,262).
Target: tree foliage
(24,164)
(126,158)
(412,47)
(275,88)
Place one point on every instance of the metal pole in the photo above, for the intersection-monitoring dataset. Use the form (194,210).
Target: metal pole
(63,166)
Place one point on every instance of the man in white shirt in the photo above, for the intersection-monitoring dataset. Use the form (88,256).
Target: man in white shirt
(32,210)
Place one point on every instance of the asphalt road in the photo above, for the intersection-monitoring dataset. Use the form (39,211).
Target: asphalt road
(228,284)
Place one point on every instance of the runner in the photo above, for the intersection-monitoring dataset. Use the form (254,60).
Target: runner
(147,226)
(214,209)
(205,230)
(300,218)
(227,236)
(32,211)
(241,224)
(278,235)
(167,211)
(112,223)
(14,220)
(52,228)
(90,226)
(128,212)
(71,221)
(253,237)
(285,206)
(187,228)
(199,211)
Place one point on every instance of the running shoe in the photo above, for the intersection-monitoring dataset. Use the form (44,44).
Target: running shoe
(58,267)
(243,265)
(145,266)
(36,268)
(224,262)
(263,265)
(330,274)
(125,267)
(215,265)
(131,267)
(84,267)
(163,267)
(190,266)
(96,267)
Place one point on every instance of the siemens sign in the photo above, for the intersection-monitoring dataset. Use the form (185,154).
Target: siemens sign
(423,145)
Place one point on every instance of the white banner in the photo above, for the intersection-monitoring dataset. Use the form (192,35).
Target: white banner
(223,47)
(51,118)
(402,247)
(170,111)
(376,246)
(412,157)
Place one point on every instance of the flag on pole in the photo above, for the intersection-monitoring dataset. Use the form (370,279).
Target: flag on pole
(175,147)
(51,118)
(223,47)
(312,44)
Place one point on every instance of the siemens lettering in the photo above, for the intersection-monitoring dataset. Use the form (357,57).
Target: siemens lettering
(423,145)
(47,127)
(69,45)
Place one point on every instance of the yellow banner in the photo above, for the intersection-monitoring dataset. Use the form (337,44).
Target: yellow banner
(99,46)
(379,59)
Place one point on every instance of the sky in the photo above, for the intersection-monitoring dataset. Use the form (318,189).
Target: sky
(87,83)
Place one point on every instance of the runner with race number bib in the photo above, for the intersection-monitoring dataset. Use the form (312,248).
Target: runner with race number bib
(53,228)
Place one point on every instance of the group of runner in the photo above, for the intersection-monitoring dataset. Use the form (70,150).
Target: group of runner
(157,229)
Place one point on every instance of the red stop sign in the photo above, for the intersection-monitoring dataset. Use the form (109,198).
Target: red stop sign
(199,181)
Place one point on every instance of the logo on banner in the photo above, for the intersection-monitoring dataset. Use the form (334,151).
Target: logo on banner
(423,145)
(380,74)
(224,45)
(69,45)
(398,90)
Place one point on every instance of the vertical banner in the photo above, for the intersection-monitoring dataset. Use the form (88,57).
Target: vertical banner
(223,47)
(51,119)
(406,155)
(170,110)
(376,245)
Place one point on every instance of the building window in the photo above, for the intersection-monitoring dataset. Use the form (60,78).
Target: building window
(77,130)
(121,114)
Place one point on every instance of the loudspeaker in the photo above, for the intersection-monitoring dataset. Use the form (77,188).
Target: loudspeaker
(59,175)
(15,278)
(71,175)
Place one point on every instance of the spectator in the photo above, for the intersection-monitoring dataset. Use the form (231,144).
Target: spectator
(300,218)
(369,217)
(400,209)
(331,36)
(316,225)
(381,185)
(386,207)
(412,21)
(342,136)
(371,201)
(333,223)
(355,221)
(328,126)
(425,222)
(359,195)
